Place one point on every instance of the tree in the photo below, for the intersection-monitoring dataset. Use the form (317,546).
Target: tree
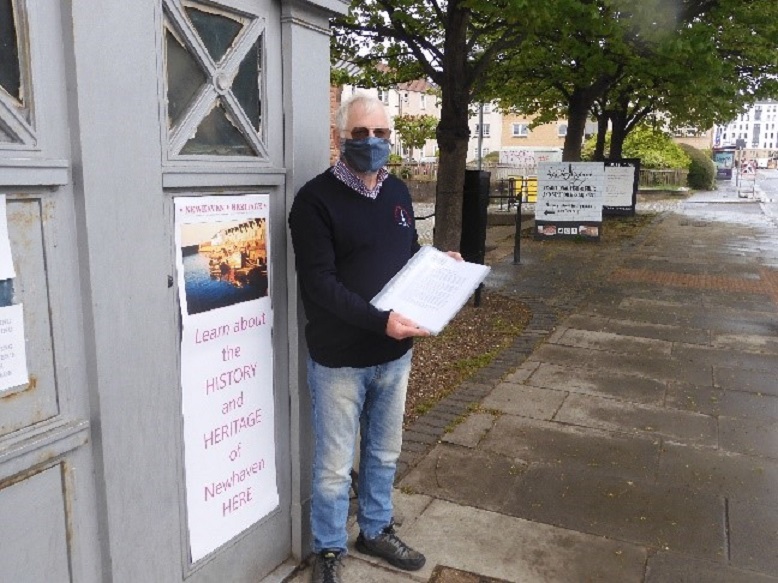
(694,61)
(704,72)
(415,130)
(454,44)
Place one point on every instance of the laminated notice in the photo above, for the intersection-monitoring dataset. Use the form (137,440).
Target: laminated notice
(431,288)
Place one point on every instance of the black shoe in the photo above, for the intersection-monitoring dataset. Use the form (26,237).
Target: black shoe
(389,547)
(327,566)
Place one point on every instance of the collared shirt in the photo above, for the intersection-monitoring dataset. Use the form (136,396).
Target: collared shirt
(347,177)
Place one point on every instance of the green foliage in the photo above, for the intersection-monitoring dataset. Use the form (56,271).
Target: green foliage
(395,158)
(656,149)
(492,157)
(415,129)
(702,170)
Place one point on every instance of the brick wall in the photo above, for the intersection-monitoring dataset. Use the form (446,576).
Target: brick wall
(336,94)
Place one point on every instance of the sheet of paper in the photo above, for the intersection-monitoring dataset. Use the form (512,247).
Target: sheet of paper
(431,288)
(13,357)
(6,261)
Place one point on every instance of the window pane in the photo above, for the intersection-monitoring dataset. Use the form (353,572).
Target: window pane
(218,136)
(10,77)
(246,84)
(184,78)
(4,137)
(217,32)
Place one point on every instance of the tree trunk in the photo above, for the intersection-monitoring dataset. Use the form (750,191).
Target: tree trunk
(602,134)
(618,134)
(453,132)
(578,108)
(577,114)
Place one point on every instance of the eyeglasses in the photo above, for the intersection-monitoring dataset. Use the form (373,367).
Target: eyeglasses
(360,133)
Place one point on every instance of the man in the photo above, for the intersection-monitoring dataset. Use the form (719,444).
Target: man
(352,231)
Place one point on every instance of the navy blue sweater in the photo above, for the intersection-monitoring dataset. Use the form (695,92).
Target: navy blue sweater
(347,246)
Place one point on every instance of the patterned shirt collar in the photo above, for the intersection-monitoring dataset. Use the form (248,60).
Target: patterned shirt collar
(343,173)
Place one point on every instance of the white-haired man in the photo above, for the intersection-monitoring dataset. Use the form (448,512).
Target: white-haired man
(352,230)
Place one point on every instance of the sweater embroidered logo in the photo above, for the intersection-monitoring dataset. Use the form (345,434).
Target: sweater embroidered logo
(402,216)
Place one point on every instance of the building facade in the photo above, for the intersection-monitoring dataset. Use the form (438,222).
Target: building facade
(755,132)
(117,119)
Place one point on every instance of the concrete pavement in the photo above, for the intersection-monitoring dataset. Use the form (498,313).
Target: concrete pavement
(630,433)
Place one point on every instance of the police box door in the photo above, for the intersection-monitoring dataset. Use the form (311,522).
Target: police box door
(223,180)
(177,116)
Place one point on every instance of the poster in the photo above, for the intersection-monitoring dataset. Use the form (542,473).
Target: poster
(6,261)
(226,365)
(13,357)
(570,199)
(621,186)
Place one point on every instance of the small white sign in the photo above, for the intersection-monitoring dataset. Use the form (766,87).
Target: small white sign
(619,185)
(6,261)
(570,192)
(13,356)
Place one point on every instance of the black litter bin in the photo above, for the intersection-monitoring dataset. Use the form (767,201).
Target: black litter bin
(472,244)
(475,202)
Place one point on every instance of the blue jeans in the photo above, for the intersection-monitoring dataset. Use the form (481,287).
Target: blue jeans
(372,398)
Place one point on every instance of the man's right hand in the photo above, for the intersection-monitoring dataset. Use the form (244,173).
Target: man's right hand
(399,327)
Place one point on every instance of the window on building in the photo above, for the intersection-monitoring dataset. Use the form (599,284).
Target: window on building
(486,133)
(219,116)
(16,123)
(561,130)
(519,130)
(422,101)
(487,107)
(383,95)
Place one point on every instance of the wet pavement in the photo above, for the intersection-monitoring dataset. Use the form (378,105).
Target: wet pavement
(631,432)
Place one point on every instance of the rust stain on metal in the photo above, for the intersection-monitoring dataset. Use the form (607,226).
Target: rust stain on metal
(31,386)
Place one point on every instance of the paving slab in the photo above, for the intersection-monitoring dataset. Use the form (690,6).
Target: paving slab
(752,381)
(587,501)
(643,329)
(613,415)
(618,343)
(479,478)
(754,536)
(606,383)
(718,357)
(470,432)
(746,343)
(528,401)
(719,402)
(522,373)
(644,513)
(665,567)
(573,448)
(731,475)
(464,538)
(752,437)
(662,369)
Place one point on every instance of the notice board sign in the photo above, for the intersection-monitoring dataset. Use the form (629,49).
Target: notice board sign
(570,198)
(621,187)
(222,257)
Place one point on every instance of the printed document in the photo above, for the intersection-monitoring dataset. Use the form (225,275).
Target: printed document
(431,288)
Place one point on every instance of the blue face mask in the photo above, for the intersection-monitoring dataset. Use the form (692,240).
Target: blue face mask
(366,155)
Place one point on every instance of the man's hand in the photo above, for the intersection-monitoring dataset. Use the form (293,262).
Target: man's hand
(399,327)
(455,254)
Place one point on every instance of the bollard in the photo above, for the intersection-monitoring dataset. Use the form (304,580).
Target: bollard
(517,236)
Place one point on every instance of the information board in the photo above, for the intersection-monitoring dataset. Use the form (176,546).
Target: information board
(226,366)
(621,186)
(570,199)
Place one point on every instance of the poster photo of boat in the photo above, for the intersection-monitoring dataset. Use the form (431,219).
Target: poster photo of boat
(224,263)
